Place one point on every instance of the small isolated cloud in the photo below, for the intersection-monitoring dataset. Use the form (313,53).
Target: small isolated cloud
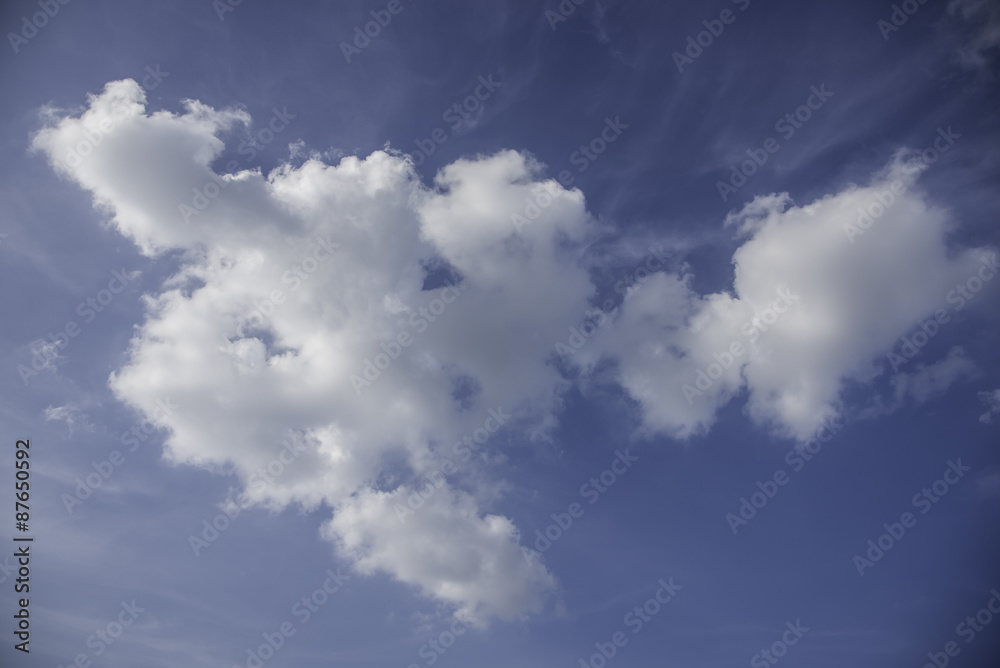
(923,383)
(71,414)
(368,322)
(932,380)
(992,401)
(817,300)
(44,356)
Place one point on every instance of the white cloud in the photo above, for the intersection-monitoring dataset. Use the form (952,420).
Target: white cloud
(932,380)
(985,16)
(992,401)
(852,298)
(44,357)
(71,415)
(294,283)
(491,576)
(925,382)
(290,283)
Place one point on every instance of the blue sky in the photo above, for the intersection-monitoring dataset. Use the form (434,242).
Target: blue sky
(511,333)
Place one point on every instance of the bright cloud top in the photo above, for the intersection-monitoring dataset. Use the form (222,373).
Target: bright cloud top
(370,322)
(820,294)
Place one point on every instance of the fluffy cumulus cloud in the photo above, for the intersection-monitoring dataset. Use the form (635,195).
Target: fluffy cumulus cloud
(327,317)
(820,293)
(422,551)
(332,330)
